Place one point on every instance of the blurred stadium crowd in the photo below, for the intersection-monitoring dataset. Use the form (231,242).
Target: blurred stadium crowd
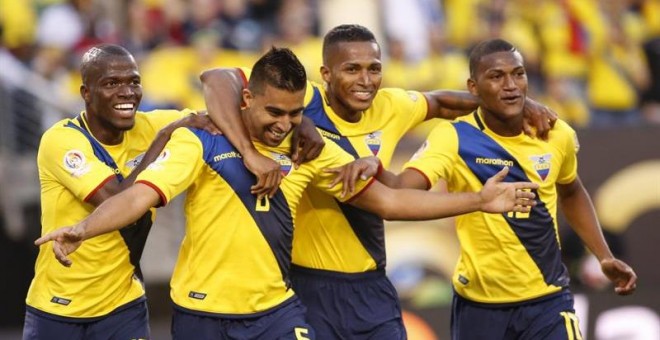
(596,62)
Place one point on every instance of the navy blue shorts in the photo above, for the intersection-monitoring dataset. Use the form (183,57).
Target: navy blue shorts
(548,318)
(285,322)
(349,306)
(131,322)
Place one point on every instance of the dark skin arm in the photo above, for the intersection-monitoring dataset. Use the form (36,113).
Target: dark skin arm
(446,104)
(579,211)
(222,93)
(411,204)
(113,186)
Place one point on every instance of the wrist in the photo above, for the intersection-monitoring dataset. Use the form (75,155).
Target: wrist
(379,171)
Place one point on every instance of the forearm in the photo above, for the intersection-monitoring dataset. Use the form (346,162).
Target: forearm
(222,90)
(411,204)
(119,211)
(581,216)
(156,147)
(449,105)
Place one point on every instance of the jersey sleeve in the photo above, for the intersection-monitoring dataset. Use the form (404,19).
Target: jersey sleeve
(176,168)
(411,106)
(435,158)
(334,156)
(571,146)
(66,158)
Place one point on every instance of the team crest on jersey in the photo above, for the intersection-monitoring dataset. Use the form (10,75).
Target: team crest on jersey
(134,162)
(541,165)
(75,163)
(284,161)
(373,141)
(420,151)
(158,163)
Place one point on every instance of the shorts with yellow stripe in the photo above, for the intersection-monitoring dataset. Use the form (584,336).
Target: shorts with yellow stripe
(550,317)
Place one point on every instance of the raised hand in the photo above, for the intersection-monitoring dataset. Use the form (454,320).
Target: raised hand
(621,274)
(65,241)
(501,197)
(269,175)
(306,143)
(538,116)
(348,174)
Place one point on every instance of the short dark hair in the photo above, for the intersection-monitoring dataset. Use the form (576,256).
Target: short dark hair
(94,55)
(279,68)
(346,33)
(485,48)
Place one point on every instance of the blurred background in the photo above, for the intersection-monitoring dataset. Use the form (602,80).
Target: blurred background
(595,62)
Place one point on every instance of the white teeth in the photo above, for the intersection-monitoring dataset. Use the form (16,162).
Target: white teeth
(128,106)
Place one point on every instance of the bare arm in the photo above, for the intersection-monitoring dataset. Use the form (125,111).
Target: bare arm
(539,119)
(223,96)
(581,215)
(411,204)
(113,214)
(114,187)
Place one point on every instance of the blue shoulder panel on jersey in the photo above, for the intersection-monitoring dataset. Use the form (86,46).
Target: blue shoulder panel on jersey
(314,110)
(536,233)
(276,224)
(369,228)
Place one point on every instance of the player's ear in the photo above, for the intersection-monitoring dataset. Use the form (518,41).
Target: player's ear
(247,99)
(325,74)
(84,93)
(472,87)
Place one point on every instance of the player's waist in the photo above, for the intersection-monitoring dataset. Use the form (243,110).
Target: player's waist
(83,319)
(267,311)
(563,293)
(336,275)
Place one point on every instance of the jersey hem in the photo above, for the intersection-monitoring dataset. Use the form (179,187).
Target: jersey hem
(237,316)
(73,319)
(563,291)
(163,198)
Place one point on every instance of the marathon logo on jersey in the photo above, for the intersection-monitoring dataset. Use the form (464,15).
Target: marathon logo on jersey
(75,163)
(328,134)
(158,163)
(197,295)
(284,162)
(541,165)
(226,155)
(494,161)
(60,301)
(373,141)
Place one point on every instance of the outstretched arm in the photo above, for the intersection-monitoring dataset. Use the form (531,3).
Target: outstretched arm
(539,119)
(222,89)
(581,215)
(411,204)
(113,214)
(114,187)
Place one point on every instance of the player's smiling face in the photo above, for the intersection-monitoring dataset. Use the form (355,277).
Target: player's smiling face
(271,116)
(112,93)
(353,72)
(501,83)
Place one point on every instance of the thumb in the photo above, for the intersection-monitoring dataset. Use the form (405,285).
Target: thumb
(499,177)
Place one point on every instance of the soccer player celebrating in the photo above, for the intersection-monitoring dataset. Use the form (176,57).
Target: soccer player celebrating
(232,275)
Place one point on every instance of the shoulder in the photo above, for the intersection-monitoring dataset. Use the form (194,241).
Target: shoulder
(399,95)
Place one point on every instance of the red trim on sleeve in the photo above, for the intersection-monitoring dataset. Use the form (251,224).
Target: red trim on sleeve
(371,181)
(163,199)
(428,181)
(98,187)
(245,80)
